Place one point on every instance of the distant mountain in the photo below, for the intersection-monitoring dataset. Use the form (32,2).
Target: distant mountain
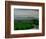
(25,18)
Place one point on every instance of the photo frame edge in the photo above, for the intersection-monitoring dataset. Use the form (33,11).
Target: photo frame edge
(7,22)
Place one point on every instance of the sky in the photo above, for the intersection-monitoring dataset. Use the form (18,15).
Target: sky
(26,13)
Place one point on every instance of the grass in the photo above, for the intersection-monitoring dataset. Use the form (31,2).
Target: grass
(25,24)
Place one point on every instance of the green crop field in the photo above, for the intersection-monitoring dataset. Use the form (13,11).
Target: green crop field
(25,24)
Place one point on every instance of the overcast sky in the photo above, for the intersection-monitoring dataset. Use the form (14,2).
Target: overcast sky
(19,13)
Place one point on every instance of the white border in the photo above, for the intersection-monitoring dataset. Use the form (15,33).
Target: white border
(26,31)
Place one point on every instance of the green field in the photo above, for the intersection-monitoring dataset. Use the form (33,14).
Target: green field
(25,24)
